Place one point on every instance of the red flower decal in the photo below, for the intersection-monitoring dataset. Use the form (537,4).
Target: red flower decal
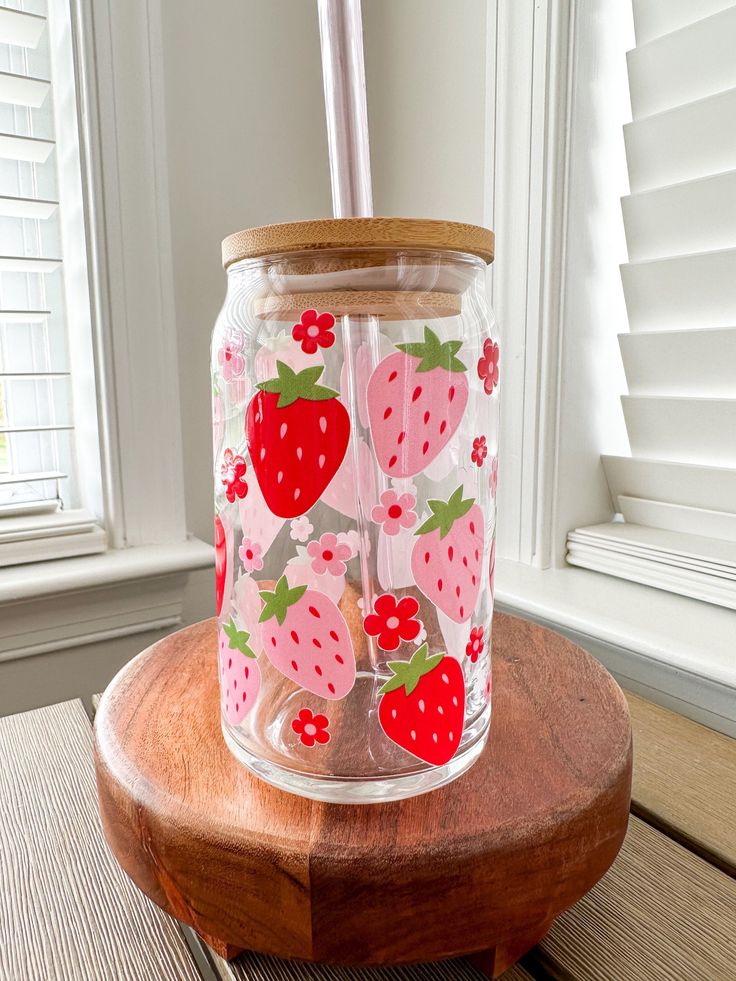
(393,621)
(488,365)
(233,475)
(314,330)
(480,450)
(474,647)
(311,728)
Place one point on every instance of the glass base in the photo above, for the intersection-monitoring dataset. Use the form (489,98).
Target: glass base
(357,790)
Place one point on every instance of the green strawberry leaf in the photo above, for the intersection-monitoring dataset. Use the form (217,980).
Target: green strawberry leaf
(277,603)
(433,353)
(237,639)
(446,513)
(290,386)
(407,674)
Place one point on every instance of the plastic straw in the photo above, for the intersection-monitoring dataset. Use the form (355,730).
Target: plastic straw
(343,72)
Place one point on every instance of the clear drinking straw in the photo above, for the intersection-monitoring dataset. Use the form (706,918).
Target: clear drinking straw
(343,72)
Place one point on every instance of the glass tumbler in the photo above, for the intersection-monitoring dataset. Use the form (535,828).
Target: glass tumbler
(355,412)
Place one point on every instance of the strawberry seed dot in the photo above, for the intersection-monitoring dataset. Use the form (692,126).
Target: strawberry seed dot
(334,636)
(314,611)
(416,393)
(318,670)
(316,642)
(392,461)
(413,734)
(339,659)
(392,376)
(294,665)
(402,437)
(388,412)
(331,688)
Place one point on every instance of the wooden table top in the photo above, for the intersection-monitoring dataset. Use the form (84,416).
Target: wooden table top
(665,910)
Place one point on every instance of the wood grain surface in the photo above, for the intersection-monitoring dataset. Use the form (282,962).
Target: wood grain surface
(353,233)
(389,304)
(486,861)
(67,911)
(685,781)
(660,914)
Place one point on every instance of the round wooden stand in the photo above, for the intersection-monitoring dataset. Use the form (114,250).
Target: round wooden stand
(481,866)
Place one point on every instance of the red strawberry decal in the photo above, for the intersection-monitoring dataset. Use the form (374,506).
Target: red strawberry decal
(416,400)
(422,707)
(446,558)
(306,638)
(220,564)
(297,433)
(240,676)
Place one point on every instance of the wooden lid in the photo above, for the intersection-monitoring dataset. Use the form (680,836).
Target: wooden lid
(358,233)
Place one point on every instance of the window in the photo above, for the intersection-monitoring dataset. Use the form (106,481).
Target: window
(676,491)
(558,98)
(49,458)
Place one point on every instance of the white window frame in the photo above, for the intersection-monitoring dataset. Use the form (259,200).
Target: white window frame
(138,583)
(668,647)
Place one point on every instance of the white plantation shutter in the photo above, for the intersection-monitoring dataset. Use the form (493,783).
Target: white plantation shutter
(41,506)
(677,491)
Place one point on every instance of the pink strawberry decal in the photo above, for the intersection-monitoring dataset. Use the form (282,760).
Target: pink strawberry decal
(306,638)
(240,676)
(422,707)
(297,433)
(446,558)
(416,400)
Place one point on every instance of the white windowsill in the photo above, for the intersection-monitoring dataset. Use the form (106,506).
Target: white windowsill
(675,650)
(47,606)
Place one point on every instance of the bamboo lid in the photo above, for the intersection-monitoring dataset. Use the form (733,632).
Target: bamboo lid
(358,233)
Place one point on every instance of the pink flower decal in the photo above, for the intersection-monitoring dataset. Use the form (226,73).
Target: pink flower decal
(230,355)
(395,512)
(301,529)
(493,479)
(250,555)
(393,621)
(351,539)
(232,472)
(474,647)
(488,366)
(311,728)
(314,330)
(480,450)
(329,555)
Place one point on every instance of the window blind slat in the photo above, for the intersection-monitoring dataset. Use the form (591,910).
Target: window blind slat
(684,430)
(684,292)
(26,208)
(28,148)
(23,90)
(21,28)
(31,478)
(693,363)
(653,18)
(33,374)
(25,264)
(682,218)
(709,488)
(23,316)
(682,144)
(35,429)
(689,64)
